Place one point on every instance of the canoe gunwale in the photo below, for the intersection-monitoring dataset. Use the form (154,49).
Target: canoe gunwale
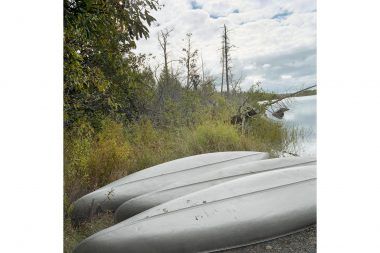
(264,154)
(242,174)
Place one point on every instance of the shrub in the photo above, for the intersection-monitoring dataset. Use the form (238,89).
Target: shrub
(213,137)
(110,154)
(93,160)
(77,150)
(263,134)
(146,145)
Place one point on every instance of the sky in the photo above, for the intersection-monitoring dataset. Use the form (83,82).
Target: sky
(274,42)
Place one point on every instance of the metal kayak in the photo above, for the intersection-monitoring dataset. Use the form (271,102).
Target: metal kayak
(203,181)
(244,211)
(110,197)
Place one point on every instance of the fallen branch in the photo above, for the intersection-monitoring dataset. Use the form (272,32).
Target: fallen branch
(287,96)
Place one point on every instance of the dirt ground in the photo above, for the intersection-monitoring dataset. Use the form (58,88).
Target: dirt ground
(301,242)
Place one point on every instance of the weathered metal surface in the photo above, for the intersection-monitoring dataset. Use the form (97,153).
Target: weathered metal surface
(205,180)
(243,211)
(111,196)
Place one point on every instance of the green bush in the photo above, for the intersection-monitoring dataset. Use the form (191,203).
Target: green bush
(146,145)
(213,137)
(93,160)
(110,154)
(263,134)
(77,150)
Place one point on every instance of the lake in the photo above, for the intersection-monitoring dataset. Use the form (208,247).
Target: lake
(303,114)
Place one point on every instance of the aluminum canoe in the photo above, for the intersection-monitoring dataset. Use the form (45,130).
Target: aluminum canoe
(110,197)
(205,180)
(244,211)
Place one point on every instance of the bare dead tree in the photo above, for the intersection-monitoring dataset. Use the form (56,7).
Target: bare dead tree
(186,59)
(163,37)
(189,60)
(226,60)
(226,49)
(163,41)
(222,59)
(155,72)
(203,70)
(235,84)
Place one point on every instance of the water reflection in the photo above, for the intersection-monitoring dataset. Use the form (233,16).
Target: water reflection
(302,114)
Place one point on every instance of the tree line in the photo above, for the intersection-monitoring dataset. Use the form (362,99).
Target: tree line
(104,78)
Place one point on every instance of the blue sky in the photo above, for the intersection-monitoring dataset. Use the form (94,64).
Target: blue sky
(274,41)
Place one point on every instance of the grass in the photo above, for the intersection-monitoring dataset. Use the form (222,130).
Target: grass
(74,235)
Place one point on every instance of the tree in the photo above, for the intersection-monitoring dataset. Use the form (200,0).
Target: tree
(226,58)
(222,60)
(189,60)
(203,69)
(98,63)
(163,40)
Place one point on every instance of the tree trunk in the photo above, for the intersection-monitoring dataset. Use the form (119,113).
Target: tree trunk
(226,58)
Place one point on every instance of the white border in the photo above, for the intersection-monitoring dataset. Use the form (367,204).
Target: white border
(31,126)
(348,127)
(31,100)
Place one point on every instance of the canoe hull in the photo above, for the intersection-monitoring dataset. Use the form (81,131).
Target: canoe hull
(189,185)
(229,215)
(110,197)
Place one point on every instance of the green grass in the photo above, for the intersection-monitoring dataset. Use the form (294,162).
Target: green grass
(74,235)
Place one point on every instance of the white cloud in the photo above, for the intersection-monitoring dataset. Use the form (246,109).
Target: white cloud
(265,47)
(286,77)
(249,67)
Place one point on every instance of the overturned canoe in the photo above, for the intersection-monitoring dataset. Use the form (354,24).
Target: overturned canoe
(203,181)
(111,196)
(244,211)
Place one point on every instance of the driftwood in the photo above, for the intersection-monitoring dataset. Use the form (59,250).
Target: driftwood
(247,111)
(287,96)
(244,112)
(239,118)
(280,112)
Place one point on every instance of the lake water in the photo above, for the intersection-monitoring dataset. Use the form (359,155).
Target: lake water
(303,114)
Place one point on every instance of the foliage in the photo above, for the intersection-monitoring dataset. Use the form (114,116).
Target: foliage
(256,94)
(269,135)
(91,161)
(77,150)
(110,154)
(99,68)
(213,137)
